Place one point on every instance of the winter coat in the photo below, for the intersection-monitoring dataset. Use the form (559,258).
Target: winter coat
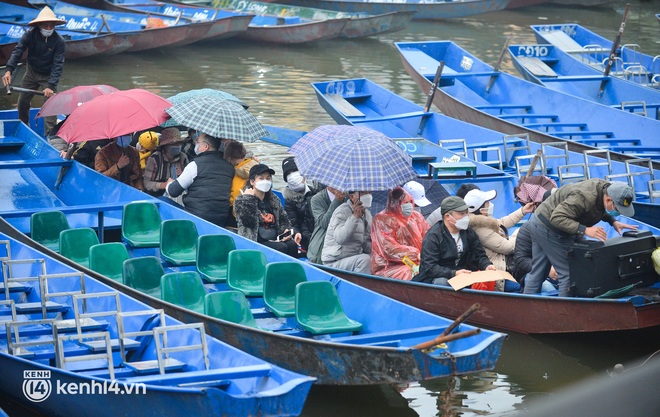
(493,238)
(298,208)
(346,235)
(248,215)
(241,174)
(522,255)
(44,55)
(106,160)
(322,210)
(159,169)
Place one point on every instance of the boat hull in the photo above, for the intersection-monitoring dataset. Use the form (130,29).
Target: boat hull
(297,33)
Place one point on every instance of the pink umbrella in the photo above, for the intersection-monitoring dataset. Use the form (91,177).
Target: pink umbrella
(66,101)
(115,114)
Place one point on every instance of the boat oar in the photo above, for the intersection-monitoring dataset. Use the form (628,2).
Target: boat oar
(615,46)
(11,88)
(69,155)
(498,64)
(429,100)
(446,336)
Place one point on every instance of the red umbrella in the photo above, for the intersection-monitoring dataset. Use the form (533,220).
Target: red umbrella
(66,101)
(115,114)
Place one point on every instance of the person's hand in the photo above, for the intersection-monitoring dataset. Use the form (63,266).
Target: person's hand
(178,171)
(48,92)
(6,79)
(63,154)
(596,232)
(123,161)
(339,195)
(491,267)
(553,274)
(618,226)
(529,207)
(297,238)
(256,159)
(358,209)
(463,271)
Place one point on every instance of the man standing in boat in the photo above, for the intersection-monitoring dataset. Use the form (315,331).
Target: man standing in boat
(45,61)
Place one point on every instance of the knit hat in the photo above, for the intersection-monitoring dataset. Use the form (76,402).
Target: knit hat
(170,136)
(452,203)
(46,15)
(288,166)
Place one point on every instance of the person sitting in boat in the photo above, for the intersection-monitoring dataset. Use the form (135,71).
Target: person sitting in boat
(166,162)
(297,202)
(236,154)
(260,215)
(396,237)
(461,192)
(347,242)
(207,181)
(323,205)
(121,161)
(450,247)
(418,193)
(147,143)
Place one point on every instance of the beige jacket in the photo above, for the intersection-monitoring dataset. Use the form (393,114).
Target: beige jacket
(493,238)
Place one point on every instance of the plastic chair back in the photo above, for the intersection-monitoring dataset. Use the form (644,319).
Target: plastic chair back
(212,256)
(319,310)
(75,244)
(178,241)
(184,289)
(280,287)
(231,306)
(245,271)
(45,228)
(140,225)
(108,259)
(144,274)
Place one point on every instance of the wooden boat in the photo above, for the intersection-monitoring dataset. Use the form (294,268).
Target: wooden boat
(473,91)
(394,116)
(550,66)
(424,10)
(592,49)
(78,45)
(226,24)
(71,345)
(384,351)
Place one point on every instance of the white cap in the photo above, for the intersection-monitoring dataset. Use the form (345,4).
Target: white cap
(476,198)
(418,193)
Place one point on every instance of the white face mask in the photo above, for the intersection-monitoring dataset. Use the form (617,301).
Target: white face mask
(366,200)
(197,151)
(263,185)
(124,141)
(462,223)
(490,209)
(295,181)
(46,33)
(407,209)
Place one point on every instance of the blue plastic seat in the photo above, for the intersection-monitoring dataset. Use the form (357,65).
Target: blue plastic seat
(246,269)
(144,274)
(75,244)
(280,287)
(184,289)
(108,259)
(212,255)
(45,228)
(319,309)
(231,306)
(140,224)
(178,241)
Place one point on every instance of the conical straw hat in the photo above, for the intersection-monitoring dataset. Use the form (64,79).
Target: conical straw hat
(47,15)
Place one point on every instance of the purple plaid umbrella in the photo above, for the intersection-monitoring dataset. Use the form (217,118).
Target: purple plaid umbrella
(352,158)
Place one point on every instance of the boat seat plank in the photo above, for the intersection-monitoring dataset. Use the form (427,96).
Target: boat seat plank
(383,337)
(35,307)
(51,162)
(15,287)
(248,371)
(636,149)
(536,66)
(150,366)
(583,133)
(490,144)
(11,144)
(416,157)
(577,78)
(555,124)
(341,104)
(609,141)
(567,44)
(83,208)
(394,117)
(528,116)
(443,169)
(527,107)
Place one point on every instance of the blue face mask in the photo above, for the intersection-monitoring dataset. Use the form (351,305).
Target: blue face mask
(124,141)
(614,212)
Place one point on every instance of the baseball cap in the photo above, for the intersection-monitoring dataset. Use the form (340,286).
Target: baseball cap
(418,193)
(260,169)
(452,203)
(622,195)
(476,198)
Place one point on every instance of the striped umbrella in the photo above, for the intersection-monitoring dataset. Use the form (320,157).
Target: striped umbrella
(352,158)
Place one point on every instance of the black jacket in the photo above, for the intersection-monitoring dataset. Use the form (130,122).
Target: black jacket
(45,55)
(298,209)
(522,255)
(439,254)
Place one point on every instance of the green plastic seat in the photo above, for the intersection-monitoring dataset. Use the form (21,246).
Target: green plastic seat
(231,306)
(108,259)
(184,289)
(143,274)
(141,224)
(45,228)
(75,244)
(212,255)
(178,241)
(319,310)
(246,269)
(280,287)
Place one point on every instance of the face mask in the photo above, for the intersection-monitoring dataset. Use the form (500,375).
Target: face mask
(463,223)
(366,200)
(490,209)
(263,185)
(197,151)
(614,212)
(407,209)
(194,136)
(124,141)
(46,33)
(174,150)
(295,181)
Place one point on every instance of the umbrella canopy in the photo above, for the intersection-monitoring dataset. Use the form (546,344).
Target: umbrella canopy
(196,94)
(115,114)
(218,117)
(531,189)
(66,101)
(352,158)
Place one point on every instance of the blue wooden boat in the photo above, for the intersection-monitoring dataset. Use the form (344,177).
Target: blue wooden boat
(473,91)
(592,49)
(398,118)
(71,345)
(424,9)
(384,351)
(550,66)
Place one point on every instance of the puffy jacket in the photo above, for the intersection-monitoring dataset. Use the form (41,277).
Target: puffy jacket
(45,55)
(248,215)
(492,236)
(346,235)
(322,210)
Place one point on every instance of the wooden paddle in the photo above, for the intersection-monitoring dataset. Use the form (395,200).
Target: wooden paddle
(447,336)
(498,64)
(429,100)
(615,46)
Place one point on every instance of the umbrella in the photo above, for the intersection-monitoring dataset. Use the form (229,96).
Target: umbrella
(531,189)
(434,191)
(115,114)
(218,117)
(196,94)
(352,158)
(66,101)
